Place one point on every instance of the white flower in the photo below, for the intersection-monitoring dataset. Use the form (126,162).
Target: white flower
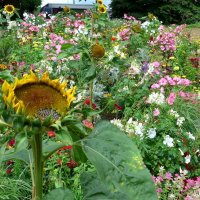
(152,133)
(11,24)
(181,152)
(134,69)
(118,123)
(180,121)
(145,24)
(174,113)
(157,98)
(168,141)
(191,136)
(187,159)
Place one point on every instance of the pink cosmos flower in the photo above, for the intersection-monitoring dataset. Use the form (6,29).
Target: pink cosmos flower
(171,98)
(159,190)
(168,176)
(156,112)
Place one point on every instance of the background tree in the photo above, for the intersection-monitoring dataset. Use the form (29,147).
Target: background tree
(169,11)
(23,5)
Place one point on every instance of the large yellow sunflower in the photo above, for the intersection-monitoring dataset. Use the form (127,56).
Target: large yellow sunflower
(38,97)
(9,9)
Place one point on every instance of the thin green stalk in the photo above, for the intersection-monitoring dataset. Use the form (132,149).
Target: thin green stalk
(37,167)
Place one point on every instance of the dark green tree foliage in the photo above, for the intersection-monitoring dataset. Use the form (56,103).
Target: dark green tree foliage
(23,5)
(169,11)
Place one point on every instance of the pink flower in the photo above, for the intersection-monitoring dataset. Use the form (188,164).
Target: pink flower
(156,64)
(168,176)
(156,112)
(171,98)
(58,49)
(188,198)
(162,81)
(159,190)
(155,86)
(88,124)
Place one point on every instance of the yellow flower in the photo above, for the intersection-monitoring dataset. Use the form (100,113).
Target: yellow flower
(66,9)
(136,28)
(102,8)
(3,67)
(9,9)
(100,2)
(38,97)
(151,16)
(98,51)
(176,68)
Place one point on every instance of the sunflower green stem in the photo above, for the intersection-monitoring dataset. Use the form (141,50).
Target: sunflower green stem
(38,165)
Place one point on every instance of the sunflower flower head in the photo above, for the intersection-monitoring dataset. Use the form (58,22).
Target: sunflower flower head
(136,28)
(3,66)
(151,16)
(9,9)
(97,50)
(66,9)
(100,2)
(38,97)
(102,8)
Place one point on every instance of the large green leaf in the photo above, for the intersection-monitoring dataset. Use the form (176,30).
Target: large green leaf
(118,163)
(23,155)
(59,194)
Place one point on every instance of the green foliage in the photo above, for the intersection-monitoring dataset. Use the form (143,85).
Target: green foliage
(7,44)
(169,11)
(119,166)
(59,194)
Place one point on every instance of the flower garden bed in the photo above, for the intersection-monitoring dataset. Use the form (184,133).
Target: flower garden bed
(63,75)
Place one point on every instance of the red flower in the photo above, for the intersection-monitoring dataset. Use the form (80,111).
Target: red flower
(88,124)
(11,143)
(51,134)
(1,81)
(8,171)
(118,107)
(113,39)
(71,164)
(66,148)
(87,102)
(9,162)
(59,161)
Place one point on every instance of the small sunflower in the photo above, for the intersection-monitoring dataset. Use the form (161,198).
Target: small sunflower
(9,9)
(38,97)
(102,8)
(66,9)
(3,67)
(100,2)
(98,51)
(151,16)
(136,28)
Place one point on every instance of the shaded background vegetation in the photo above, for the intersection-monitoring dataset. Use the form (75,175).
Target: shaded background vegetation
(23,5)
(168,11)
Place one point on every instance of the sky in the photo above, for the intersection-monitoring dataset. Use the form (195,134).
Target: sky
(44,2)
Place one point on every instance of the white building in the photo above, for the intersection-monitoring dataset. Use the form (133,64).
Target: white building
(73,4)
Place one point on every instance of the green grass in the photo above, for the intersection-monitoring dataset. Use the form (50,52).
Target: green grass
(196,25)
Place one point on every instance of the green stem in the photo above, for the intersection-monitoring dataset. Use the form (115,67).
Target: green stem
(37,166)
